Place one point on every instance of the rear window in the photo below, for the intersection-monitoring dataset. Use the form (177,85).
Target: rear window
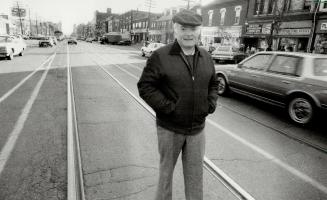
(320,67)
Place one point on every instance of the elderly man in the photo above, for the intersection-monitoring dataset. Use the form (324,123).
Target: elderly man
(179,83)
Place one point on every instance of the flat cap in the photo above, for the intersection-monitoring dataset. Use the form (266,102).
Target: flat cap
(187,17)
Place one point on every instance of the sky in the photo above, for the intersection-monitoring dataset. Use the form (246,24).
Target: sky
(71,12)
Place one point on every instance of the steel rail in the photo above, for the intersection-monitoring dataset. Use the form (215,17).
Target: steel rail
(230,184)
(75,183)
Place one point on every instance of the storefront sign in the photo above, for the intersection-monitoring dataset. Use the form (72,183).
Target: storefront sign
(323,26)
(295,31)
(253,29)
(223,32)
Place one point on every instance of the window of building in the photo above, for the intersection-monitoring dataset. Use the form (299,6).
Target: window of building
(210,13)
(271,6)
(198,11)
(174,12)
(307,4)
(222,16)
(237,14)
(258,7)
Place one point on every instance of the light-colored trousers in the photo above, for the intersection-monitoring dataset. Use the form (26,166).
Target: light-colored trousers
(170,144)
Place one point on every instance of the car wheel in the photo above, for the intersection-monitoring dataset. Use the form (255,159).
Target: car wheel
(143,54)
(21,53)
(301,110)
(222,85)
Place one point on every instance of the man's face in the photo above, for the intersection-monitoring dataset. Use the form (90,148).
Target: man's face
(187,36)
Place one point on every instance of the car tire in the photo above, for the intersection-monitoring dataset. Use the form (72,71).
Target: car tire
(21,53)
(222,85)
(301,110)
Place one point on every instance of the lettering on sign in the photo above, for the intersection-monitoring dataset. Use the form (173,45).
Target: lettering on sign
(295,31)
(323,26)
(254,29)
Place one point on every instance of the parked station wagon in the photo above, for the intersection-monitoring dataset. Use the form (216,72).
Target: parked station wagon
(296,81)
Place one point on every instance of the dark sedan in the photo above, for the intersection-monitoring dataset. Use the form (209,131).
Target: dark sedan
(71,41)
(296,81)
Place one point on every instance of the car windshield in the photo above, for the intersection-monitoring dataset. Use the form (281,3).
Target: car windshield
(320,67)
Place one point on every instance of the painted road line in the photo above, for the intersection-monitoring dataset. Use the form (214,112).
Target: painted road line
(262,152)
(75,185)
(13,136)
(270,157)
(10,92)
(237,190)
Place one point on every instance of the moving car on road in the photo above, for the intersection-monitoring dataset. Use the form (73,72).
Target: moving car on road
(71,41)
(46,42)
(228,53)
(295,81)
(10,46)
(151,47)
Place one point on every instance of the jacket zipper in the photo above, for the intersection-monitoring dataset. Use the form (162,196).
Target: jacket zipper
(192,74)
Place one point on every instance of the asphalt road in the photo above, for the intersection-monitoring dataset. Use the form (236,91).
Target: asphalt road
(253,143)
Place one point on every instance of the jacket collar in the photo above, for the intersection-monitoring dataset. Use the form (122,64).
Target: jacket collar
(176,49)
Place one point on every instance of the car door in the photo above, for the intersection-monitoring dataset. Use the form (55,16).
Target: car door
(281,77)
(244,77)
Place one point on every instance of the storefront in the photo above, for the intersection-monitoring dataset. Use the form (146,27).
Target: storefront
(257,35)
(222,35)
(320,43)
(293,36)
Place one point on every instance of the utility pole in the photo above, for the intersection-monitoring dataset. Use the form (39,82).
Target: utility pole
(29,16)
(37,29)
(20,17)
(149,4)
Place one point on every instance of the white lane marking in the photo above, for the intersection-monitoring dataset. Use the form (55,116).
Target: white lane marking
(13,136)
(10,92)
(280,163)
(275,160)
(230,181)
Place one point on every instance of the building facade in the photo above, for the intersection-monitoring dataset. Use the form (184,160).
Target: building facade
(279,24)
(223,23)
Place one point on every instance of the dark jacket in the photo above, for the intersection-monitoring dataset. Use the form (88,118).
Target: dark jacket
(180,96)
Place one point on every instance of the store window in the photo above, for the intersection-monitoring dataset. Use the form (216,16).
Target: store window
(210,13)
(237,14)
(222,16)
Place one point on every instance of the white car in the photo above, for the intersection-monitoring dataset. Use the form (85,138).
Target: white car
(11,45)
(147,50)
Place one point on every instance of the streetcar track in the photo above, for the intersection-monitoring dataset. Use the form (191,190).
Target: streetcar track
(262,152)
(230,184)
(75,182)
(281,132)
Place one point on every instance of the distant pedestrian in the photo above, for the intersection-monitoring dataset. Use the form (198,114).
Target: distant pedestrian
(180,84)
